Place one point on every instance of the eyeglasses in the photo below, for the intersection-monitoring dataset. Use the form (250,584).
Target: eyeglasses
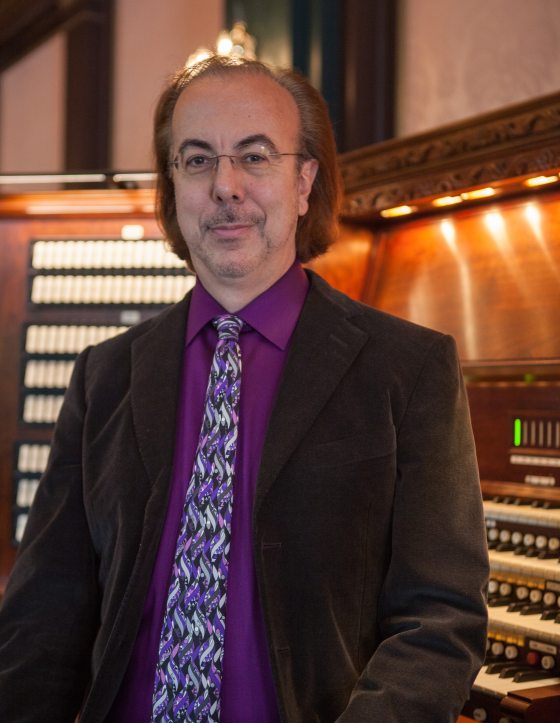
(254,161)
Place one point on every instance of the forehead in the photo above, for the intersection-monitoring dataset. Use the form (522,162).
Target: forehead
(223,109)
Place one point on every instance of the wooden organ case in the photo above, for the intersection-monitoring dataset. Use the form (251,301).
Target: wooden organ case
(459,229)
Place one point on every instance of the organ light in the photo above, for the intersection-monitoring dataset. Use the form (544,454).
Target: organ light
(540,181)
(478,193)
(397,211)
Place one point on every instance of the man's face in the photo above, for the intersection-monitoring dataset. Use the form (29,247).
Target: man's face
(239,223)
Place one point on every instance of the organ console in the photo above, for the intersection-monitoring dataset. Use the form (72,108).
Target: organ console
(457,229)
(464,236)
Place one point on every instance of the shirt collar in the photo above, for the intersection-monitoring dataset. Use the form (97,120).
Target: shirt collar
(274,313)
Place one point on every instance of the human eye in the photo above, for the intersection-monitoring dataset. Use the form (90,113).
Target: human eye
(255,160)
(197,162)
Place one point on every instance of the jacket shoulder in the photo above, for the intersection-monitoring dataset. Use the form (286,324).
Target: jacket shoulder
(372,321)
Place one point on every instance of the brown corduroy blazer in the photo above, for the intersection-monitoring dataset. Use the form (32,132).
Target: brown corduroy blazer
(368,527)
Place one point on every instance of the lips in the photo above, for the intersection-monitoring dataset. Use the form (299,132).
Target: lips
(230,230)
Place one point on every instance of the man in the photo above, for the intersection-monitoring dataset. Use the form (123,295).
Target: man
(347,582)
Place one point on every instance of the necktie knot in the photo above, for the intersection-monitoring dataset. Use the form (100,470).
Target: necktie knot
(228,326)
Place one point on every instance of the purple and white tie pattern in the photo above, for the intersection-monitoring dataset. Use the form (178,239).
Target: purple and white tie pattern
(189,668)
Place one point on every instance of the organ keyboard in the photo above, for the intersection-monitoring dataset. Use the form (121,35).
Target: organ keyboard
(520,680)
(484,267)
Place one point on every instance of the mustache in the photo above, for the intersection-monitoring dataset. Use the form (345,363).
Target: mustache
(229,215)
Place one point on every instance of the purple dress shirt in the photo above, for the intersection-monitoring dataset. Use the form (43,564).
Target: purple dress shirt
(247,694)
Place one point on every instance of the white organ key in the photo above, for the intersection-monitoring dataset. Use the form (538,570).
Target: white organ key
(532,566)
(513,623)
(494,685)
(522,513)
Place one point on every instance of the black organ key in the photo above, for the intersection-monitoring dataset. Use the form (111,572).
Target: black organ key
(526,676)
(534,609)
(495,668)
(547,554)
(550,614)
(505,547)
(512,670)
(550,505)
(497,602)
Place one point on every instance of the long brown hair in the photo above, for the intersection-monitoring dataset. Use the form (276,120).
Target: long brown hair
(317,229)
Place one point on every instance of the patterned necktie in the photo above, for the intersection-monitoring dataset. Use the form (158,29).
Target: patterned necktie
(189,669)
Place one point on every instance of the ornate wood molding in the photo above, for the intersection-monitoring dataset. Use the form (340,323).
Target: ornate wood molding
(519,140)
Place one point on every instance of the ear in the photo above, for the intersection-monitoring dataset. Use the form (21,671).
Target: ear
(306,177)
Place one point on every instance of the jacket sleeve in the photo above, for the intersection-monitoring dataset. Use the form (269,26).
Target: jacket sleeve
(50,613)
(433,615)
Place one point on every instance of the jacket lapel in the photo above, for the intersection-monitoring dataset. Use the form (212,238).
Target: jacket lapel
(156,367)
(157,359)
(323,348)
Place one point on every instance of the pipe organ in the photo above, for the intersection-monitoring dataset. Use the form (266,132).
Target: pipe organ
(457,229)
(464,236)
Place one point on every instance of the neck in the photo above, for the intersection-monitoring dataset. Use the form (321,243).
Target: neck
(235,293)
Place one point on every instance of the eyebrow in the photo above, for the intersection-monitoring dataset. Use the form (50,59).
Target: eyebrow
(257,138)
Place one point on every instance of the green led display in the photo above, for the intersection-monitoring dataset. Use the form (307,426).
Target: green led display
(516,432)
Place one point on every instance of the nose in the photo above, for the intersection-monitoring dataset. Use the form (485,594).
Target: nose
(227,181)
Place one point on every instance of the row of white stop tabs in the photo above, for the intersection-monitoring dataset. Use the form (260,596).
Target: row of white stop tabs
(41,408)
(66,338)
(110,289)
(48,374)
(103,254)
(32,457)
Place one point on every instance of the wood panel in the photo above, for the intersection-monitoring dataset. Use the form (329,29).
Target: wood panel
(489,275)
(348,263)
